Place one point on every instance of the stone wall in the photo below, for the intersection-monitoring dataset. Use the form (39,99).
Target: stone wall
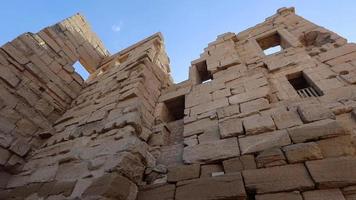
(248,133)
(102,137)
(38,83)
(245,125)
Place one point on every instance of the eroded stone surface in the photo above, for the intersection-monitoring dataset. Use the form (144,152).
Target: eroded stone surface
(256,143)
(212,151)
(276,179)
(343,171)
(220,187)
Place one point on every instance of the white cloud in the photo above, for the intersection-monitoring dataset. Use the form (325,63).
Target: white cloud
(116,27)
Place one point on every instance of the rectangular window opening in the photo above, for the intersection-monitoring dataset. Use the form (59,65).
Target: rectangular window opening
(302,85)
(204,75)
(175,108)
(78,67)
(271,44)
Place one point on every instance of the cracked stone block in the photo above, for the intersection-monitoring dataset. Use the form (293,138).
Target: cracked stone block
(229,186)
(183,172)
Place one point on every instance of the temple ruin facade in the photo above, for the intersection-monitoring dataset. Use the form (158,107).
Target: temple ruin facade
(247,124)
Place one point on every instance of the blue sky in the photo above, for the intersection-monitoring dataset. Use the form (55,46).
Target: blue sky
(187,25)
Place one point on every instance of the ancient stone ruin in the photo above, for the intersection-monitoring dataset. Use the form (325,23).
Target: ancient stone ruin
(247,124)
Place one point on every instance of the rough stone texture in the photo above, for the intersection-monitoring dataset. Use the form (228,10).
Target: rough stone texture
(258,124)
(314,112)
(277,179)
(256,143)
(213,151)
(332,194)
(62,137)
(230,128)
(302,152)
(207,170)
(221,187)
(112,186)
(184,172)
(284,196)
(164,192)
(343,171)
(239,164)
(271,157)
(316,130)
(286,119)
(255,105)
(338,146)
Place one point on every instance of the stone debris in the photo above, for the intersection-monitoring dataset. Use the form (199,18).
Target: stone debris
(245,124)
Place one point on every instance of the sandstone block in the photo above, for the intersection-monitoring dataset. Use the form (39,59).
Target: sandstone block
(255,105)
(212,151)
(5,140)
(332,194)
(333,172)
(72,171)
(338,146)
(20,147)
(228,111)
(314,112)
(112,186)
(281,196)
(202,108)
(230,128)
(316,130)
(198,126)
(8,76)
(258,124)
(207,170)
(211,134)
(256,143)
(239,164)
(248,96)
(183,172)
(164,192)
(44,174)
(271,157)
(220,187)
(278,179)
(4,156)
(286,119)
(302,152)
(57,187)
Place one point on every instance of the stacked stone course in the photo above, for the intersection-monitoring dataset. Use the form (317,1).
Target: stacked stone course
(245,125)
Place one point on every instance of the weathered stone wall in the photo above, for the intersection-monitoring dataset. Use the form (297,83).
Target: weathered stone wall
(38,82)
(248,133)
(102,137)
(245,125)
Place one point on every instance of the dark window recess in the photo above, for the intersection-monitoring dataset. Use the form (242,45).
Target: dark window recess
(272,43)
(203,74)
(302,85)
(175,108)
